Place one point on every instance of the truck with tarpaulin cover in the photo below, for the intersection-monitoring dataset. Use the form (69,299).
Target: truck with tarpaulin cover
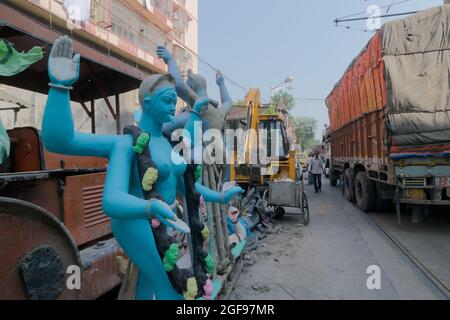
(390,117)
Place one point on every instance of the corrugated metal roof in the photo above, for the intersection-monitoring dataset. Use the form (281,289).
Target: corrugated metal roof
(13,100)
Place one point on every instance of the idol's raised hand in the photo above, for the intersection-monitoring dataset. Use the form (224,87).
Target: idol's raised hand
(220,80)
(63,66)
(164,54)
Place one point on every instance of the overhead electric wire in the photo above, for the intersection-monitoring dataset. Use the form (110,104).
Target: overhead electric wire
(365,12)
(386,15)
(309,99)
(224,75)
(382,16)
(389,8)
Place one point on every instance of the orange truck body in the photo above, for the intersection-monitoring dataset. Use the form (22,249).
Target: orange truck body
(356,110)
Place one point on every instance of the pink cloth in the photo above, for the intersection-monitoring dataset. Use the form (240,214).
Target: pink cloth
(203,205)
(208,290)
(155,223)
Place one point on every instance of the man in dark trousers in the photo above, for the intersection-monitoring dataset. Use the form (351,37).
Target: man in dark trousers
(316,169)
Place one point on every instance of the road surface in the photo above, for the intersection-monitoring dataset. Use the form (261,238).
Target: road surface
(329,258)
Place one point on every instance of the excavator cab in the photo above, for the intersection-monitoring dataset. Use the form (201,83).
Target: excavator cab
(278,143)
(266,154)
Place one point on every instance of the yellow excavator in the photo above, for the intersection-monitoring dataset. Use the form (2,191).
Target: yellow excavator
(276,176)
(248,169)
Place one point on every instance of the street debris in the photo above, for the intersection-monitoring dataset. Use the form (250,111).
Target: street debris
(260,288)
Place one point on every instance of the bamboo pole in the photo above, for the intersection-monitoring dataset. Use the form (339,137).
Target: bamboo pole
(129,282)
(224,213)
(224,260)
(209,209)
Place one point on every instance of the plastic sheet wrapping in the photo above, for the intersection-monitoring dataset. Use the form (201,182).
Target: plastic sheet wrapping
(13,62)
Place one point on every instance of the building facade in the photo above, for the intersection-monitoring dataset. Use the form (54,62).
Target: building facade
(128,29)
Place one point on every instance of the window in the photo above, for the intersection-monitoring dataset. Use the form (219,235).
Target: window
(99,14)
(282,143)
(165,6)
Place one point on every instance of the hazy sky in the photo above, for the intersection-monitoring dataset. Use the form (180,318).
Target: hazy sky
(258,43)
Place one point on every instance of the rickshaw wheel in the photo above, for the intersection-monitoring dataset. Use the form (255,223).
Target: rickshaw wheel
(278,213)
(304,207)
(274,212)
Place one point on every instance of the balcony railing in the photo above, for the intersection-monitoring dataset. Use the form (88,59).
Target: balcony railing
(158,11)
(181,4)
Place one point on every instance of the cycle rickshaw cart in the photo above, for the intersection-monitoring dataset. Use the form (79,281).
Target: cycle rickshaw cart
(290,194)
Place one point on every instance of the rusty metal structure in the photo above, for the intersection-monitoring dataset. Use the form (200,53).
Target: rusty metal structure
(50,204)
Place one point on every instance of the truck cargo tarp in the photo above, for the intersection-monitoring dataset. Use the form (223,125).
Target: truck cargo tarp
(417,72)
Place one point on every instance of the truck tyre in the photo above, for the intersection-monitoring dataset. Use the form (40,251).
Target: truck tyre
(365,192)
(333,178)
(348,185)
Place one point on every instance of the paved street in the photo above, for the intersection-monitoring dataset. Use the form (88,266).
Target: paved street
(328,259)
(428,241)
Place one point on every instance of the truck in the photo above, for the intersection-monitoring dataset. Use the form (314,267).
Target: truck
(390,118)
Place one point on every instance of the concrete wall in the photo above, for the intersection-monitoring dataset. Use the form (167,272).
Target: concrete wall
(192,33)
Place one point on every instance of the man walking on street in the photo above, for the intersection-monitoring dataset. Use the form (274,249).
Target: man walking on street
(316,169)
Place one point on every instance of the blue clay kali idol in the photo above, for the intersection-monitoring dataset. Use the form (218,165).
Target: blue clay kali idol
(142,180)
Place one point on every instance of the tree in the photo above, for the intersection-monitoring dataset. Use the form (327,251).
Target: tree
(240,103)
(288,99)
(304,130)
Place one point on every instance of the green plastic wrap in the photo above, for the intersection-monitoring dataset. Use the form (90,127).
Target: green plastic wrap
(13,62)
